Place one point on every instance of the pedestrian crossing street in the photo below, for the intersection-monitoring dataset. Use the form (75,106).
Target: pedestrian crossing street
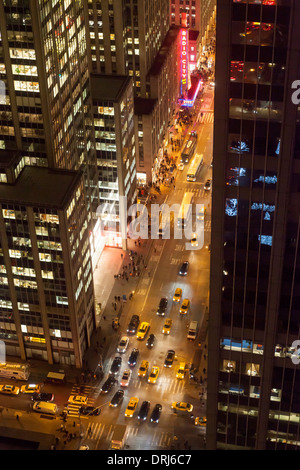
(98,431)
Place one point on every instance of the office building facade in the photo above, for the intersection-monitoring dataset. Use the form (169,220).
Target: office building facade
(113,120)
(125,37)
(46,284)
(46,123)
(46,110)
(253,378)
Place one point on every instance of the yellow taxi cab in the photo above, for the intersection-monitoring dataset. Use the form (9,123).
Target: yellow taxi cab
(143,329)
(153,375)
(167,326)
(78,399)
(9,389)
(182,406)
(181,371)
(177,295)
(31,388)
(143,368)
(131,407)
(201,421)
(185,307)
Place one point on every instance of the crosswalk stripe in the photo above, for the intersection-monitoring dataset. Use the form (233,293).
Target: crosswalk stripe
(95,431)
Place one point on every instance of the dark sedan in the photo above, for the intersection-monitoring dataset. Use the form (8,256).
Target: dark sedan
(117,398)
(150,341)
(162,307)
(156,412)
(42,396)
(169,358)
(89,410)
(184,268)
(108,384)
(143,413)
(133,324)
(116,365)
(133,357)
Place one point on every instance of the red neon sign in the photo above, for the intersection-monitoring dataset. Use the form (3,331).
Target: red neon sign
(184,59)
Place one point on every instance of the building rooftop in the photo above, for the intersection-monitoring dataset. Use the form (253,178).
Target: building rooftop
(108,87)
(9,157)
(41,187)
(144,105)
(164,51)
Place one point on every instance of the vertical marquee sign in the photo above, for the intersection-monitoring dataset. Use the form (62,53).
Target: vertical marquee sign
(184,61)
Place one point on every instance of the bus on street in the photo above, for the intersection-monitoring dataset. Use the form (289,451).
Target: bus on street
(195,167)
(186,208)
(189,148)
(14,371)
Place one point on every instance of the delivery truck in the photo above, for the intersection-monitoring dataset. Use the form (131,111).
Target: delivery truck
(118,437)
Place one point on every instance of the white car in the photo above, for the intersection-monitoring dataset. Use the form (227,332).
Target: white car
(123,344)
(125,378)
(181,166)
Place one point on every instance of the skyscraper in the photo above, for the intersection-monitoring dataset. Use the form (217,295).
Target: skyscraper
(132,37)
(47,214)
(46,111)
(125,37)
(253,383)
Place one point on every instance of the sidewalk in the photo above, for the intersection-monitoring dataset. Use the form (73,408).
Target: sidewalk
(108,289)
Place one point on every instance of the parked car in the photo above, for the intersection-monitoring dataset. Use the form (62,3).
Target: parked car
(31,388)
(43,396)
(9,389)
